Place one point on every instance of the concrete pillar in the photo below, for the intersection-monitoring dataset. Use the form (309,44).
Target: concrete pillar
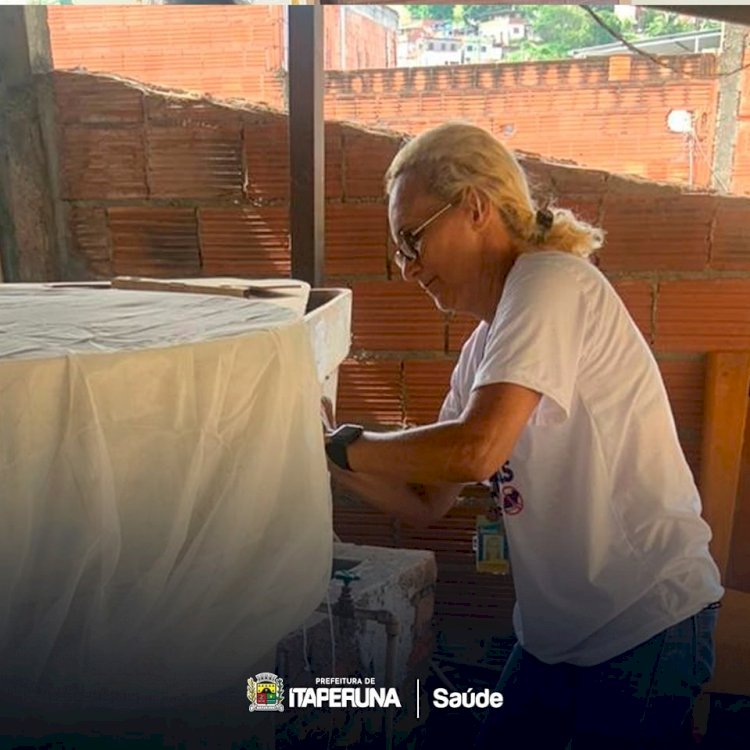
(31,234)
(725,138)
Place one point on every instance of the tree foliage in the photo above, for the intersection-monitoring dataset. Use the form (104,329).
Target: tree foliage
(555,30)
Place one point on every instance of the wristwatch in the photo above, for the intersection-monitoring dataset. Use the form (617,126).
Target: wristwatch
(338,441)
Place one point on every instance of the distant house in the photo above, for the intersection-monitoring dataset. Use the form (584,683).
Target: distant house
(439,50)
(480,49)
(504,30)
(428,44)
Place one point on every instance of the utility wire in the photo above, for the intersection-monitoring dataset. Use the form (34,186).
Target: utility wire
(617,35)
(705,158)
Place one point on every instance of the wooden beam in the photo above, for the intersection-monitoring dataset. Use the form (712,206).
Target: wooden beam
(306,142)
(738,566)
(724,422)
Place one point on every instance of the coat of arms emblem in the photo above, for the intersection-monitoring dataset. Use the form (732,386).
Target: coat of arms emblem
(265,692)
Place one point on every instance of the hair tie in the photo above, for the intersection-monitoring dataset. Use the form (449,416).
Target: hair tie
(545,218)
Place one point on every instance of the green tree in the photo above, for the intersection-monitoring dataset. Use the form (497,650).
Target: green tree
(558,29)
(555,30)
(435,12)
(655,23)
(472,13)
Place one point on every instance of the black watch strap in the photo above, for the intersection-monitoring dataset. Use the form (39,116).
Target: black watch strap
(339,440)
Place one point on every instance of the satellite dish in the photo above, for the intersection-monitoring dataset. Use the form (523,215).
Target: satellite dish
(680,121)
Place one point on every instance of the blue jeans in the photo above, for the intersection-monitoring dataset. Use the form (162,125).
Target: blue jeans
(637,700)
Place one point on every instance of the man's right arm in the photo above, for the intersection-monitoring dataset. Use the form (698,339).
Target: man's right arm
(417,505)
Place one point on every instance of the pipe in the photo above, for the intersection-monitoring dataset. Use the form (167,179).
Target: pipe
(392,629)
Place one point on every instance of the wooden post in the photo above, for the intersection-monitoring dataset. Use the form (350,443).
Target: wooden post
(725,413)
(306,142)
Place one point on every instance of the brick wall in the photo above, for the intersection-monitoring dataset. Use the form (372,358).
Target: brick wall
(365,43)
(166,185)
(227,51)
(607,113)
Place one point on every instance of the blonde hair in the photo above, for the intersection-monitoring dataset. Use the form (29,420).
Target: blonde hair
(457,156)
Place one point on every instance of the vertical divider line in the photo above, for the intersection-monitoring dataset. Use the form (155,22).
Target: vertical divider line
(417,697)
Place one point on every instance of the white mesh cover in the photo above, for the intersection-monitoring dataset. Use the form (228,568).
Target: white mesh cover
(165,512)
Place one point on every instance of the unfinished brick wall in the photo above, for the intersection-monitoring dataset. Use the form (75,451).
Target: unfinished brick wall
(361,43)
(160,185)
(606,113)
(226,51)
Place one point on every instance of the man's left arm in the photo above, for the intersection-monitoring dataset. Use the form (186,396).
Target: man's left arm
(468,449)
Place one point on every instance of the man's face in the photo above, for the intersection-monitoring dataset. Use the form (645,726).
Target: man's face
(444,266)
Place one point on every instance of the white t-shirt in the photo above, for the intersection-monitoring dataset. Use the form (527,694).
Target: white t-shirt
(602,515)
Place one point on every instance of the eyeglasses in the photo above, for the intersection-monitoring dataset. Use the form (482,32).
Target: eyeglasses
(409,239)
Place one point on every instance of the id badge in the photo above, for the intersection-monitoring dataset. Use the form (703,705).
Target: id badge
(491,546)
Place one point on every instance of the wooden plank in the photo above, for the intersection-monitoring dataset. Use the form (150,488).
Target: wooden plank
(732,673)
(725,481)
(724,421)
(292,295)
(738,567)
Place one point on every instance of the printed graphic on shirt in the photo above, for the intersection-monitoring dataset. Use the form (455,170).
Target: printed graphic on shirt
(512,501)
(506,498)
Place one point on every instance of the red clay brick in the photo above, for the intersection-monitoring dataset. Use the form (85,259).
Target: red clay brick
(360,524)
(85,99)
(366,159)
(393,315)
(247,241)
(149,241)
(194,162)
(370,392)
(90,253)
(266,145)
(669,233)
(102,163)
(730,249)
(356,239)
(334,148)
(185,111)
(703,315)
(684,380)
(574,180)
(638,298)
(583,207)
(426,383)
